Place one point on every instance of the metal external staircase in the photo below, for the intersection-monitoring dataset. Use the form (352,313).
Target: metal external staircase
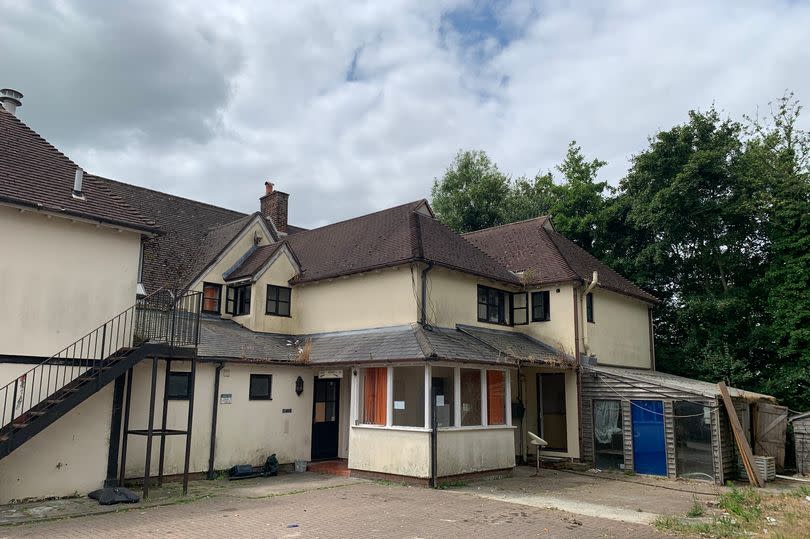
(158,325)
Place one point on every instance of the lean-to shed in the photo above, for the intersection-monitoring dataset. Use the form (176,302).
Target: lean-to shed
(656,423)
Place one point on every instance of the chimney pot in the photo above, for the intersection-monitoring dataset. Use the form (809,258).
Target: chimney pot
(77,183)
(268,188)
(11,99)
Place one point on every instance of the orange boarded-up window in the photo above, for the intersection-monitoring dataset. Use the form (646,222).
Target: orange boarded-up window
(375,395)
(496,398)
(211,297)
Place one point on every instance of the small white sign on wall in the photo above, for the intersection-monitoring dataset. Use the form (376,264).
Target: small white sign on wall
(226,398)
(439,400)
(399,405)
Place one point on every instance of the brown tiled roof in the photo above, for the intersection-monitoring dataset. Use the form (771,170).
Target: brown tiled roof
(194,234)
(254,262)
(547,257)
(34,173)
(388,238)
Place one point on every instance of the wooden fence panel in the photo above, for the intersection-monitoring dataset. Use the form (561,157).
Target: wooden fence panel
(770,431)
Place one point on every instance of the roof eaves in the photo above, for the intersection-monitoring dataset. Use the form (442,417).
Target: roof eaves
(13,201)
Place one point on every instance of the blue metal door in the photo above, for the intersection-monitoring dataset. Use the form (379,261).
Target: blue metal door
(649,444)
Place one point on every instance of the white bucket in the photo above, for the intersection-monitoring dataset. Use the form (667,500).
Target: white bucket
(300,466)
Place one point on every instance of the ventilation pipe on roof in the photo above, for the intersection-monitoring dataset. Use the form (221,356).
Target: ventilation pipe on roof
(11,99)
(78,179)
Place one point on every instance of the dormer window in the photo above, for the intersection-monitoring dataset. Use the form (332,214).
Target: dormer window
(278,300)
(212,294)
(237,301)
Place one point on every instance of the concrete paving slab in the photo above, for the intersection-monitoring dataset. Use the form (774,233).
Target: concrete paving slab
(608,495)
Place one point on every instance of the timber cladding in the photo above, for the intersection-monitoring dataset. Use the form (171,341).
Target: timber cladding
(801,433)
(598,386)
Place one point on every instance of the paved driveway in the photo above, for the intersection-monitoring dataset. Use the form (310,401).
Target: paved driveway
(364,509)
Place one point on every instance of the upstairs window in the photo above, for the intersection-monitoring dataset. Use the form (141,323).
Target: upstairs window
(238,300)
(261,386)
(540,306)
(491,305)
(520,309)
(212,295)
(278,300)
(179,386)
(589,307)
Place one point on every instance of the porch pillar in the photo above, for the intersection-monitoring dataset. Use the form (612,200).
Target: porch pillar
(508,398)
(428,396)
(389,409)
(457,396)
(484,397)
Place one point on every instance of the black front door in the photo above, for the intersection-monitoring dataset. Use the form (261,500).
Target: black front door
(325,418)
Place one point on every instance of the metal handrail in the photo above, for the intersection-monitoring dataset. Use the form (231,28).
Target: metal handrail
(160,317)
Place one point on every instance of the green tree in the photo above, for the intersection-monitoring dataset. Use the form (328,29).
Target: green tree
(779,164)
(579,200)
(687,206)
(471,194)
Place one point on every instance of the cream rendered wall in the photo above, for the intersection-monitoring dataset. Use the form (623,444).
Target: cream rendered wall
(530,421)
(82,276)
(279,273)
(248,431)
(620,334)
(69,457)
(559,330)
(390,451)
(376,299)
(453,298)
(461,451)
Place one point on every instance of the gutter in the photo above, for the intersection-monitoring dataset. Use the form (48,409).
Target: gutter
(212,447)
(62,212)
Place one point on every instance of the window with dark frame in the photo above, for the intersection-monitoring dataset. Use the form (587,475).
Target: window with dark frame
(520,309)
(261,386)
(179,386)
(540,306)
(278,300)
(212,297)
(237,301)
(491,305)
(589,306)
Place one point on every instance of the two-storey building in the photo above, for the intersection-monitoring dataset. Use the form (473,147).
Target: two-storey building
(386,340)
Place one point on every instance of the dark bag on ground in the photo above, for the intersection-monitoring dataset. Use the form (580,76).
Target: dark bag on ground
(114,495)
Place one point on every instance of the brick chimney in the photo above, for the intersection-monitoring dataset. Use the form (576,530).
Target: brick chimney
(274,205)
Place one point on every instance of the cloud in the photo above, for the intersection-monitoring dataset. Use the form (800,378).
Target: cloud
(355,107)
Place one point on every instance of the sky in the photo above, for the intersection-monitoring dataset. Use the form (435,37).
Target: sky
(353,107)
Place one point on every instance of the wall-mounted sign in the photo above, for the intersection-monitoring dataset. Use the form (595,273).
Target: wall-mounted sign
(286,410)
(226,398)
(330,374)
(399,405)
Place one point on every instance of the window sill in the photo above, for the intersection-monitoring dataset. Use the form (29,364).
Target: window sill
(260,398)
(505,324)
(392,427)
(478,427)
(278,315)
(542,320)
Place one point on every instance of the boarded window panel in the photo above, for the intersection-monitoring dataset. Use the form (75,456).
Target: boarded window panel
(375,395)
(470,397)
(693,441)
(211,297)
(496,398)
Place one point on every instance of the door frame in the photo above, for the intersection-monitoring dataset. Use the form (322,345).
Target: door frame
(337,418)
(540,424)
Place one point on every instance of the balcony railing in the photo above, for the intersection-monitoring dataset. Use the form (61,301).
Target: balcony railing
(159,318)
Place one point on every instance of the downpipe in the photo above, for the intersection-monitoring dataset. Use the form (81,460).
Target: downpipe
(212,446)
